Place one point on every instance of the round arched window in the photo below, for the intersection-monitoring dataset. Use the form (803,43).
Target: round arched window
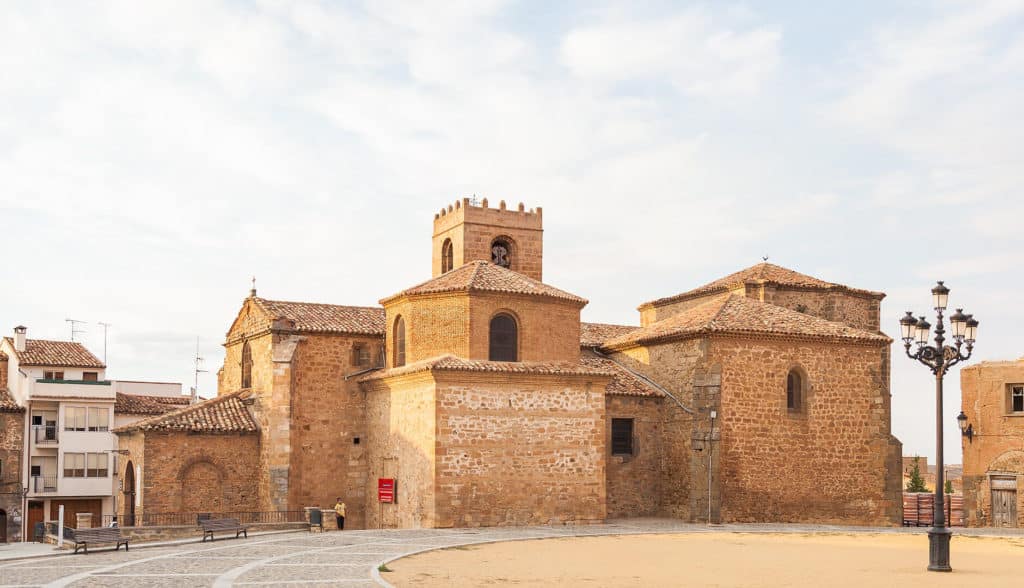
(504,338)
(447,256)
(399,342)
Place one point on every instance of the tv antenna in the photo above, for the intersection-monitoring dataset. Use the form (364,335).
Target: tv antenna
(105,327)
(198,369)
(74,327)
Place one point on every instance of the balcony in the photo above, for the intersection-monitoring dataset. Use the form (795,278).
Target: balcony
(78,389)
(45,434)
(44,484)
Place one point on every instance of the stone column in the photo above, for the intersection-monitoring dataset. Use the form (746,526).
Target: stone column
(83,520)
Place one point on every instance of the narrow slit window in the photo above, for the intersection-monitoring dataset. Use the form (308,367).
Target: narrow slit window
(246,365)
(794,391)
(399,342)
(447,256)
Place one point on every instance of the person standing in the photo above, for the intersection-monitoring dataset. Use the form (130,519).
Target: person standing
(339,513)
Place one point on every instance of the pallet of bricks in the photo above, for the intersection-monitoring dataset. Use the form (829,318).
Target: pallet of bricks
(917,509)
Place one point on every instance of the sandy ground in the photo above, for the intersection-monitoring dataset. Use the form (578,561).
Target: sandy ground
(717,559)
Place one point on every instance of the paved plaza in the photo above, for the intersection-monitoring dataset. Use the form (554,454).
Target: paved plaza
(348,558)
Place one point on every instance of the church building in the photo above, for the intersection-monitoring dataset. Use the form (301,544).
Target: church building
(479,398)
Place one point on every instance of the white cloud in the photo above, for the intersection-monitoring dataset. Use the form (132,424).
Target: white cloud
(691,50)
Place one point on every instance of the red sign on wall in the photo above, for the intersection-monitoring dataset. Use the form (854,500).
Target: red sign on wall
(385,489)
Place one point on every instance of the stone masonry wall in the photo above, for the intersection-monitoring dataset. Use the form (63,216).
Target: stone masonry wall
(135,444)
(520,449)
(998,443)
(402,441)
(328,426)
(860,312)
(833,462)
(434,325)
(549,330)
(634,482)
(198,472)
(12,444)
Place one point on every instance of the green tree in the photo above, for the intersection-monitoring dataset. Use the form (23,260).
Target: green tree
(916,482)
(949,487)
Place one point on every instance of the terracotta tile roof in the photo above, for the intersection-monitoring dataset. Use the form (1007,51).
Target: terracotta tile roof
(142,404)
(744,316)
(7,403)
(483,276)
(223,414)
(595,334)
(457,364)
(41,352)
(623,383)
(326,318)
(3,356)
(762,272)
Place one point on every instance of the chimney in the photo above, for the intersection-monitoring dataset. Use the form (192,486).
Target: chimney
(194,396)
(19,337)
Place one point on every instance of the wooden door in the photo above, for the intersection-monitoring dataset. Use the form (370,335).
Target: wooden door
(1004,508)
(36,514)
(3,526)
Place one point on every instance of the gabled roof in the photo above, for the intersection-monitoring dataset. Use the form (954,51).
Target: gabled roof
(7,403)
(595,334)
(458,364)
(740,315)
(40,352)
(223,414)
(144,404)
(623,383)
(484,276)
(326,318)
(761,273)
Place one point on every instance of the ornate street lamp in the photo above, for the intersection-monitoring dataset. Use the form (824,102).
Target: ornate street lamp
(939,358)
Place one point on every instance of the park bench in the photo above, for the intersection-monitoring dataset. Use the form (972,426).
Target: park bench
(217,525)
(82,538)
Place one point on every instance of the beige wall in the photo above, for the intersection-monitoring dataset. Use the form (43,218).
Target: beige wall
(998,443)
(634,482)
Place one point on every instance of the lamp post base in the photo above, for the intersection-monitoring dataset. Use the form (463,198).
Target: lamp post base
(938,549)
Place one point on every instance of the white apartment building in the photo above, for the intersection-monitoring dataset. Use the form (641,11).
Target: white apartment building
(70,454)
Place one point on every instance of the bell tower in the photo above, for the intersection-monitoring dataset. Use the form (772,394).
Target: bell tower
(466,231)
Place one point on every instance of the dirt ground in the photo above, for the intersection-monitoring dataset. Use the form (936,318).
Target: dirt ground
(716,559)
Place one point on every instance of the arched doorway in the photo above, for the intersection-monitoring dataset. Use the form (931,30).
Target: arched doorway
(3,526)
(129,496)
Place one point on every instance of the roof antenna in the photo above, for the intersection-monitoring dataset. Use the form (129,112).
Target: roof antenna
(105,327)
(252,292)
(198,362)
(74,328)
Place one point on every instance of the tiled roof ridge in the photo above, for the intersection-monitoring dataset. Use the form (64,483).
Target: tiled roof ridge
(146,404)
(675,327)
(261,300)
(52,352)
(449,362)
(757,273)
(151,422)
(484,276)
(322,317)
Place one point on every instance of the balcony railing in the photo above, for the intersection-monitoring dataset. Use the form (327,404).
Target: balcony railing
(44,484)
(45,434)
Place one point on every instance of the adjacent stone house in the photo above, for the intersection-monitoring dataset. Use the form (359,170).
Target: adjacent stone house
(992,394)
(12,447)
(763,396)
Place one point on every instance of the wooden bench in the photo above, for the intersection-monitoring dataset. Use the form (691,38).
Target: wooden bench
(82,538)
(216,525)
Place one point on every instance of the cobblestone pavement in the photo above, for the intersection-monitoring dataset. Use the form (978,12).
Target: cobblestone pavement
(346,558)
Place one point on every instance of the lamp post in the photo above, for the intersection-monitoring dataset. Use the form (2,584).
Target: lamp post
(939,358)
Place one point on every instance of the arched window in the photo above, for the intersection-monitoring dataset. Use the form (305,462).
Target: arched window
(399,342)
(504,339)
(447,256)
(246,366)
(794,391)
(501,252)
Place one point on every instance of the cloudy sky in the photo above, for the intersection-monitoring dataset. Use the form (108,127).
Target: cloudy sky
(154,156)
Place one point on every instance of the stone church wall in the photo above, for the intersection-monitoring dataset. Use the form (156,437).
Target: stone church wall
(328,426)
(634,482)
(184,472)
(833,462)
(520,449)
(434,325)
(12,444)
(401,427)
(548,330)
(860,312)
